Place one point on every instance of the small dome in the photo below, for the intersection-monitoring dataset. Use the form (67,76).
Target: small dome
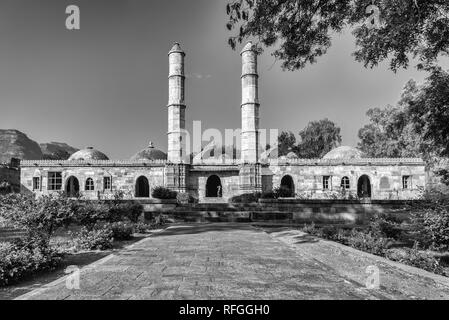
(149,153)
(88,153)
(344,152)
(291,155)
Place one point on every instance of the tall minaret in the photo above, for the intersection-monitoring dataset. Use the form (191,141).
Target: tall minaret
(250,105)
(176,105)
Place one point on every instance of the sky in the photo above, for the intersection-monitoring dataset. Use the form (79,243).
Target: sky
(105,85)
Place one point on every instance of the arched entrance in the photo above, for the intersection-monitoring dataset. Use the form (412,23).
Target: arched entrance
(287,186)
(364,187)
(213,187)
(142,187)
(72,187)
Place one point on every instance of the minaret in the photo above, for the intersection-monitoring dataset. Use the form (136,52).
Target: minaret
(176,105)
(250,106)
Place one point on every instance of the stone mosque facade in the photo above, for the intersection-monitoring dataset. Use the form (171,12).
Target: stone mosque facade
(344,172)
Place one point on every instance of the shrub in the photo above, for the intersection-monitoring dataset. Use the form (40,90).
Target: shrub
(183,198)
(386,226)
(430,223)
(269,195)
(121,230)
(94,239)
(283,192)
(141,227)
(39,217)
(163,193)
(419,259)
(246,197)
(88,213)
(129,210)
(368,242)
(21,259)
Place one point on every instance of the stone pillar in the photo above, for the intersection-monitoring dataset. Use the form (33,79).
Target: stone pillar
(176,105)
(249,106)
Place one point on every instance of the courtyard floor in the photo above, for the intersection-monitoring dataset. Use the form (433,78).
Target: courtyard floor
(240,261)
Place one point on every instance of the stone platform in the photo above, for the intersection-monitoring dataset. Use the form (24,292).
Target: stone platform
(238,261)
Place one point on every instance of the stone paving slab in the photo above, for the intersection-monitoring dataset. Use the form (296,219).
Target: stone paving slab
(211,261)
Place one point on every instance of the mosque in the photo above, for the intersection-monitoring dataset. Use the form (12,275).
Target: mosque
(343,172)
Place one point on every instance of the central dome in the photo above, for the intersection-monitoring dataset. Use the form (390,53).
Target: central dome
(344,152)
(88,153)
(149,153)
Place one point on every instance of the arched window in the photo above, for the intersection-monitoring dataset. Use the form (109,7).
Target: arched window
(345,183)
(89,185)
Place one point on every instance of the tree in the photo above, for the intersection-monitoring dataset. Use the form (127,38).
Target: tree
(391,133)
(286,143)
(429,112)
(318,138)
(301,30)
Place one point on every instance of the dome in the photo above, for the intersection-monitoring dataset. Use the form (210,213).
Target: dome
(88,153)
(291,155)
(149,153)
(344,152)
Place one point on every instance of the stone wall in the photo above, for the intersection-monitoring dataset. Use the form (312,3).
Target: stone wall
(123,177)
(385,179)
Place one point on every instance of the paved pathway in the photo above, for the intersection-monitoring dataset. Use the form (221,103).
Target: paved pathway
(213,261)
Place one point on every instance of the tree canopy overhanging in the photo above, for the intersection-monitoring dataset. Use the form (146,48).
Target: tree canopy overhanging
(300,30)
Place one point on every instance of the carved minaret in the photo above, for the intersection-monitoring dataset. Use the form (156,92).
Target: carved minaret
(250,105)
(176,105)
(250,169)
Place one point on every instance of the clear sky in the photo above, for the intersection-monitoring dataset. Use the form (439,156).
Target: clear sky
(106,85)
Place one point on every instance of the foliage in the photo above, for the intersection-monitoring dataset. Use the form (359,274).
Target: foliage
(318,138)
(129,210)
(88,213)
(99,238)
(163,193)
(429,111)
(121,230)
(269,195)
(283,192)
(430,222)
(5,187)
(183,197)
(286,143)
(39,217)
(21,259)
(419,259)
(301,31)
(141,227)
(386,226)
(368,242)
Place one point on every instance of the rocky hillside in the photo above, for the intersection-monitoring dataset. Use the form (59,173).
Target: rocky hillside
(57,150)
(16,144)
